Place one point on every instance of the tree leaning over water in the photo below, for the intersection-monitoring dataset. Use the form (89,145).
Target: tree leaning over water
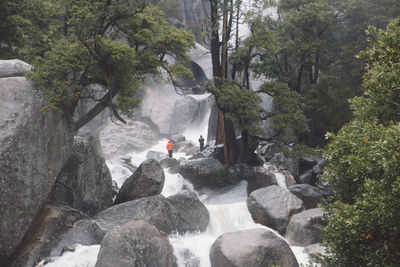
(110,43)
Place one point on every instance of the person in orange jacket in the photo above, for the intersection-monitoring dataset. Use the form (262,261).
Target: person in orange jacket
(170,147)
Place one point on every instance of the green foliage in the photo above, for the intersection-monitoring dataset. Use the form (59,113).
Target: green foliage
(287,118)
(219,176)
(110,43)
(363,228)
(382,81)
(239,105)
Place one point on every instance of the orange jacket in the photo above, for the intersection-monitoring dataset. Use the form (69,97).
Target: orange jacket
(170,145)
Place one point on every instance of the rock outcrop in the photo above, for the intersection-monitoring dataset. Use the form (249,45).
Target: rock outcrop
(272,206)
(34,145)
(305,228)
(148,180)
(85,181)
(256,248)
(261,178)
(200,172)
(310,195)
(52,222)
(83,232)
(156,210)
(136,243)
(192,214)
(138,137)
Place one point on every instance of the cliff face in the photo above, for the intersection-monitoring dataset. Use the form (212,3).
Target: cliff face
(33,148)
(194,14)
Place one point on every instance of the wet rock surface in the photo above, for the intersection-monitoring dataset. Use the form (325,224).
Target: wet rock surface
(272,206)
(193,215)
(136,243)
(256,247)
(148,180)
(34,146)
(156,210)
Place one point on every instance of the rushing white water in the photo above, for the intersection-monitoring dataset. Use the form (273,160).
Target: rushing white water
(228,213)
(83,256)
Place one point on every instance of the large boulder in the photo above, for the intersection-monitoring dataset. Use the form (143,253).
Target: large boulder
(240,171)
(136,243)
(308,177)
(256,248)
(261,178)
(280,162)
(13,68)
(305,228)
(135,136)
(148,180)
(156,210)
(34,145)
(84,232)
(200,172)
(193,215)
(216,152)
(310,195)
(171,163)
(85,181)
(52,222)
(272,206)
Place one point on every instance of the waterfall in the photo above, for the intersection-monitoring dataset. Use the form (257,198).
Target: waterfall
(227,207)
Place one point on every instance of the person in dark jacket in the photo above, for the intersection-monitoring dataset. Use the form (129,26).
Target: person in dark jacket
(170,148)
(201,141)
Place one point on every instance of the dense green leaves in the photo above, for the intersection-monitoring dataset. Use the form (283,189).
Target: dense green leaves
(363,221)
(110,43)
(239,105)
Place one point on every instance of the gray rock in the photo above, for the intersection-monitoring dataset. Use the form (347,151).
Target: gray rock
(256,248)
(52,222)
(194,14)
(182,114)
(157,155)
(309,161)
(193,215)
(308,177)
(315,251)
(13,68)
(148,180)
(272,206)
(319,167)
(305,228)
(156,210)
(171,163)
(138,136)
(85,181)
(267,150)
(176,139)
(199,171)
(310,195)
(282,163)
(34,145)
(136,243)
(216,152)
(239,172)
(84,232)
(262,178)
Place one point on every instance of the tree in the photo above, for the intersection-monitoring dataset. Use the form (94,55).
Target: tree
(110,43)
(364,157)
